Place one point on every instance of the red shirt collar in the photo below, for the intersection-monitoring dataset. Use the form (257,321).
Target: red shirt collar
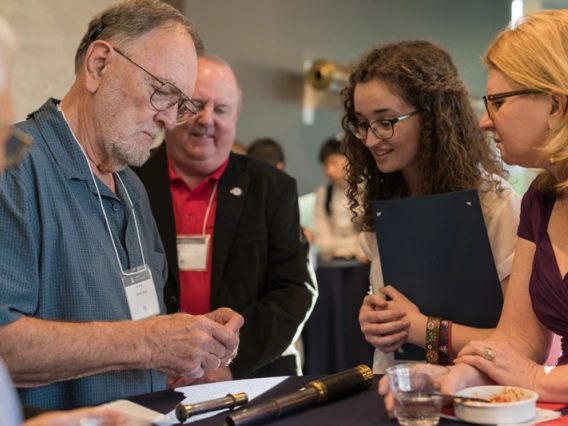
(215,176)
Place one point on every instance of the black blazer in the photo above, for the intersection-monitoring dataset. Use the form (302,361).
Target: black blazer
(260,259)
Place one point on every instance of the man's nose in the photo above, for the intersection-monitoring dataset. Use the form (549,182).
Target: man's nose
(205,116)
(168,117)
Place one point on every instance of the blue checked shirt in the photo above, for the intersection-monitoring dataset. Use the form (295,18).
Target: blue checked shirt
(56,257)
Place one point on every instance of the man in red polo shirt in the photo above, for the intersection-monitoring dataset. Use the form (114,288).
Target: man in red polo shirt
(230,228)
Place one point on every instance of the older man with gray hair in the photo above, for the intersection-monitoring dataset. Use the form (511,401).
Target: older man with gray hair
(82,268)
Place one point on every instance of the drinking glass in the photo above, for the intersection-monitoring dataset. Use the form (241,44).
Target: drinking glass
(411,385)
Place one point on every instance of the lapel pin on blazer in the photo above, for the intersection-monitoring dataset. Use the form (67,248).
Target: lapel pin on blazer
(236,191)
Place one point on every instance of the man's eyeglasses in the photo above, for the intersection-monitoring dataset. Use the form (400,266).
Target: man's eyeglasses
(489,99)
(17,145)
(382,129)
(167,95)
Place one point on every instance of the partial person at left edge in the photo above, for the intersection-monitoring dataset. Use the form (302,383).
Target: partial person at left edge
(82,268)
(14,146)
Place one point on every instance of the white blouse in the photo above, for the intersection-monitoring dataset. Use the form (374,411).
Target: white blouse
(335,235)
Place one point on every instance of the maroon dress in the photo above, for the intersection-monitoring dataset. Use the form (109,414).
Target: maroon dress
(548,290)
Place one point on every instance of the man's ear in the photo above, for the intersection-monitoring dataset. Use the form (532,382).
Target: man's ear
(98,57)
(557,110)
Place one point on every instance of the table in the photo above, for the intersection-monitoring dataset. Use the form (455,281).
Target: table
(362,409)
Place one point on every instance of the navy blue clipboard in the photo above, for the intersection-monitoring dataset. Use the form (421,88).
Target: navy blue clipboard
(435,250)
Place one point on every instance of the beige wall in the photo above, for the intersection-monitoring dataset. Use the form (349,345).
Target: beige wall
(48,32)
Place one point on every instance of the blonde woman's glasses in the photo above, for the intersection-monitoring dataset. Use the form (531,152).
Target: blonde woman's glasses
(490,100)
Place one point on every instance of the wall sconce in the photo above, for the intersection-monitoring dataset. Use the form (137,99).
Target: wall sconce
(323,80)
(327,75)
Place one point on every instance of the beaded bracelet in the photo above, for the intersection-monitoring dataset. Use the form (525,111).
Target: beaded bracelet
(432,339)
(445,346)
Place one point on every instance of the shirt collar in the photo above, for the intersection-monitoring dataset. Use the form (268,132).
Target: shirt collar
(213,177)
(60,141)
(66,151)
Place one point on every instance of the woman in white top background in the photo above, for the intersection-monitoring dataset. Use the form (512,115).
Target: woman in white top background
(331,335)
(335,234)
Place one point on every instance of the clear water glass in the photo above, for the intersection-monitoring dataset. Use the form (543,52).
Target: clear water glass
(411,385)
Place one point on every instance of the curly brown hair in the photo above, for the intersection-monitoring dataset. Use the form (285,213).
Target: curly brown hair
(455,155)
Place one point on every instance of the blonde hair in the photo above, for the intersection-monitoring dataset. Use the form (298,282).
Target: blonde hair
(533,54)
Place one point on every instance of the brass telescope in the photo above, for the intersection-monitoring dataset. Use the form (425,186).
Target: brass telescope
(184,412)
(315,393)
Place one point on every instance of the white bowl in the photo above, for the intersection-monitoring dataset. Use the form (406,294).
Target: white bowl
(491,413)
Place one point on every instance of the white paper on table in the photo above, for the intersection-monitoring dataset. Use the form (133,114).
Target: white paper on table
(210,391)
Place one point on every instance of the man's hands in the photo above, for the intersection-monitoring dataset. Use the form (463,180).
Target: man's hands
(222,374)
(186,345)
(232,321)
(178,344)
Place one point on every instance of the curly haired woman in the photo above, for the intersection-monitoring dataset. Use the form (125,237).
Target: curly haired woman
(423,140)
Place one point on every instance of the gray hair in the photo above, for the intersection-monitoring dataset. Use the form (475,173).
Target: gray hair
(7,47)
(126,22)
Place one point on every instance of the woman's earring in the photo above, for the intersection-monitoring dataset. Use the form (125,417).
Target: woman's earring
(551,161)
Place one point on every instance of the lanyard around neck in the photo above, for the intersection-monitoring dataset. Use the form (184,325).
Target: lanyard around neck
(101,201)
(209,206)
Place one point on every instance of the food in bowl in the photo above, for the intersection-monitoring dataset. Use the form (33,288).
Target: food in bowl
(509,394)
(507,404)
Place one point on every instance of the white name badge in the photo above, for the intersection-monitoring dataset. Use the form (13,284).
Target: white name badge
(193,251)
(141,292)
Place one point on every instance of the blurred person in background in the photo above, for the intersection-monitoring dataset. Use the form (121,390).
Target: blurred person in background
(267,150)
(342,273)
(336,234)
(239,148)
